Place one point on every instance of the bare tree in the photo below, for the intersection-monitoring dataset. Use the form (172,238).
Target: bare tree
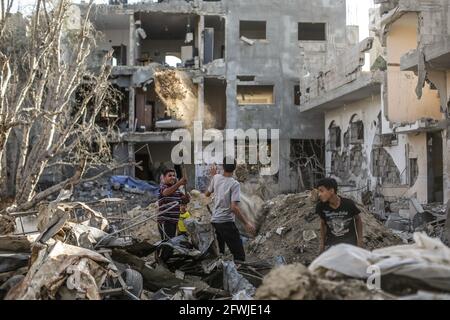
(50,100)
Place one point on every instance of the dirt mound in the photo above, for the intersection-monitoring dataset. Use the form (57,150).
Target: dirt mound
(292,229)
(296,282)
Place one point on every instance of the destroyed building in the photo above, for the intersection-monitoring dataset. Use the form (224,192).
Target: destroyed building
(237,63)
(383,121)
(386,128)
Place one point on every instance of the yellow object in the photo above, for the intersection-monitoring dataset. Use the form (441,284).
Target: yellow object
(181,226)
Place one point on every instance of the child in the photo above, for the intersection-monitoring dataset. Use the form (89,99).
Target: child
(184,214)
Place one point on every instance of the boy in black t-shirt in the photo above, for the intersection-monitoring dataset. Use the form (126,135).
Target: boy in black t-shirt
(340,218)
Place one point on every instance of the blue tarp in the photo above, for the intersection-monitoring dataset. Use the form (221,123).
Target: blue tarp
(134,183)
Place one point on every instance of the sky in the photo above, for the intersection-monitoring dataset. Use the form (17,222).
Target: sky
(358,14)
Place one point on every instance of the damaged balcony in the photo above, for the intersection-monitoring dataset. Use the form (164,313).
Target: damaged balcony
(437,56)
(368,84)
(421,125)
(341,83)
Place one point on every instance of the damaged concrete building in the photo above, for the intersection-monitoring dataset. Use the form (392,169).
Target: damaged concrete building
(239,63)
(386,127)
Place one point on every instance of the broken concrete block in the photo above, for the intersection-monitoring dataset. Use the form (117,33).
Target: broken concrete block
(404,213)
(415,207)
(281,231)
(396,222)
(309,235)
(179,274)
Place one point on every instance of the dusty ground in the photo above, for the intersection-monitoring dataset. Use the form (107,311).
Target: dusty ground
(299,239)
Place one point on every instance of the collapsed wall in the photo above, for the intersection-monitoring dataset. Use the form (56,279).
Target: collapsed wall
(179,94)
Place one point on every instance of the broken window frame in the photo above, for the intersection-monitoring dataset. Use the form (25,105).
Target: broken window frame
(413,171)
(246,78)
(389,140)
(297,95)
(357,132)
(334,138)
(309,24)
(254,27)
(257,103)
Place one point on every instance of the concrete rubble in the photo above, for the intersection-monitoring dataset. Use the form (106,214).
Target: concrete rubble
(92,252)
(89,259)
(380,129)
(291,229)
(412,272)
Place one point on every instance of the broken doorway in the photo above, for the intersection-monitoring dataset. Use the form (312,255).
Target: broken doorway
(216,102)
(214,38)
(435,167)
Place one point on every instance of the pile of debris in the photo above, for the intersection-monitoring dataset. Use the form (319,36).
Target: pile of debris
(418,271)
(82,253)
(296,282)
(406,216)
(132,191)
(291,230)
(105,251)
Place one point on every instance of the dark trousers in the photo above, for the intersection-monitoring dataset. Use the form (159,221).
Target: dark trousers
(227,233)
(167,231)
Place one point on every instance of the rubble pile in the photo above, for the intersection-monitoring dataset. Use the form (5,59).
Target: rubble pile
(291,230)
(417,271)
(65,272)
(81,253)
(406,216)
(97,190)
(296,282)
(96,251)
(402,270)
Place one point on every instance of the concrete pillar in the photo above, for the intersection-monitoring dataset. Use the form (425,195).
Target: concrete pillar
(131,109)
(284,175)
(131,159)
(201,101)
(200,39)
(132,44)
(131,121)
